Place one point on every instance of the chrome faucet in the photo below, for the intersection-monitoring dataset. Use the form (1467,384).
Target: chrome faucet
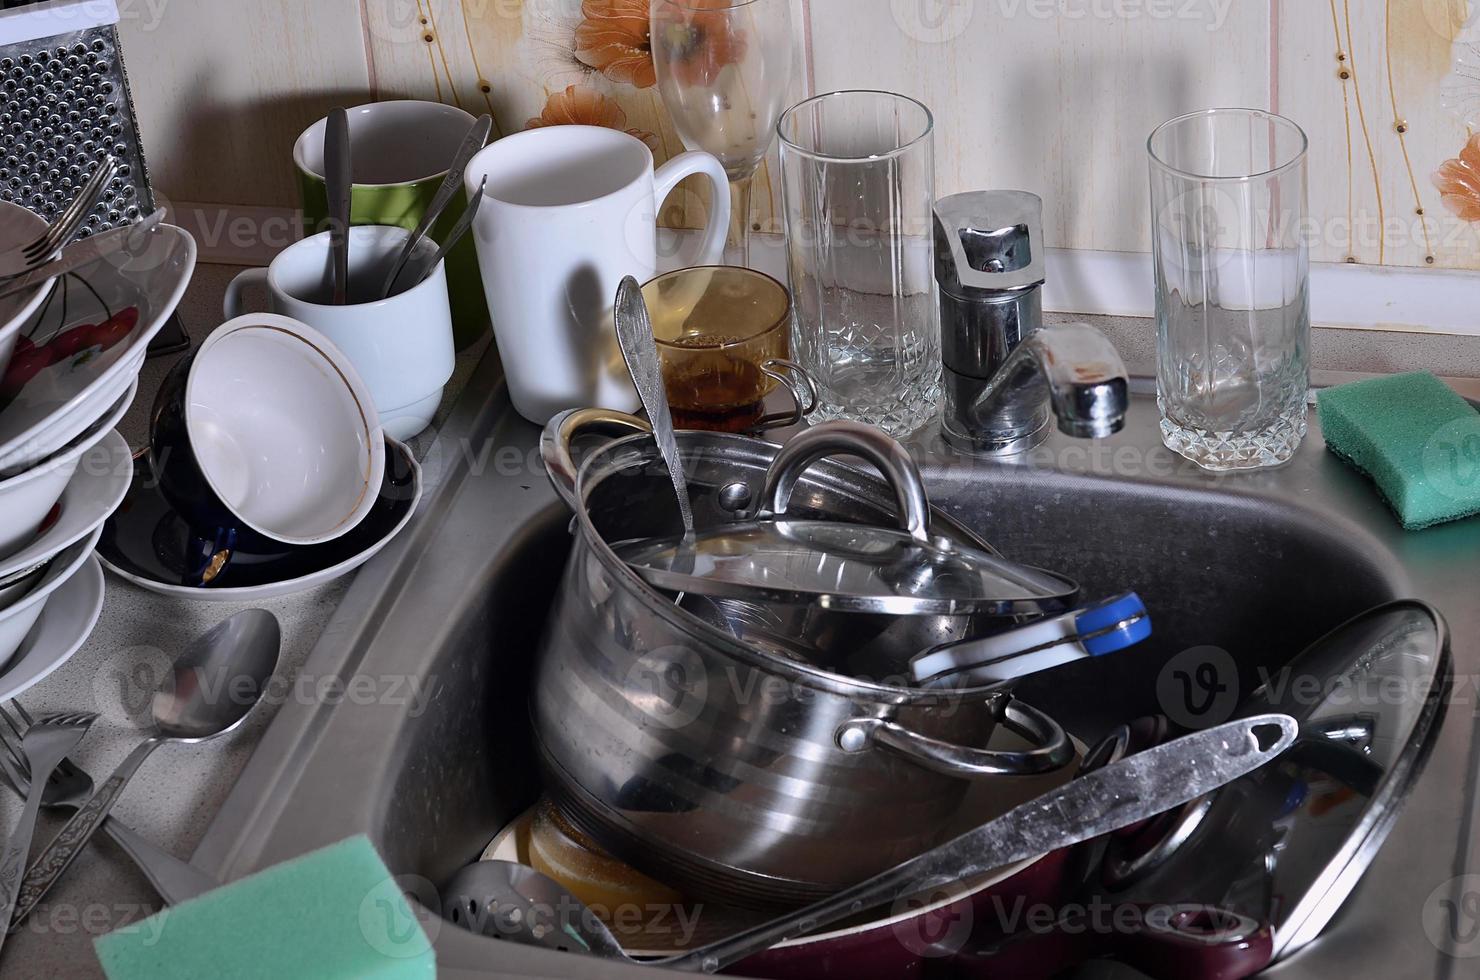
(1005,371)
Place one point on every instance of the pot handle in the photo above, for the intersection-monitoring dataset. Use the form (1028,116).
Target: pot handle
(561,432)
(1052,748)
(841,438)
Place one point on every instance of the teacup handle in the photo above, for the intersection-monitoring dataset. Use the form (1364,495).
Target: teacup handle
(232,304)
(667,177)
(798,383)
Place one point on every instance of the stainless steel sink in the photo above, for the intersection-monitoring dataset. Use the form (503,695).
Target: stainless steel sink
(1255,565)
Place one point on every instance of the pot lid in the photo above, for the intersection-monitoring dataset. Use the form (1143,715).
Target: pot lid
(1286,844)
(847,568)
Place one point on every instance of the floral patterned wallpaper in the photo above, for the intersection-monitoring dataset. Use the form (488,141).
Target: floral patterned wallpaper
(1389,91)
(542,63)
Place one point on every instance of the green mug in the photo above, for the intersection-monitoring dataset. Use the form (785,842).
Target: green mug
(401,151)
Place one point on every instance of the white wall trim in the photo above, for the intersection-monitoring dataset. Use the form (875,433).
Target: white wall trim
(1361,297)
(1079,280)
(236,234)
(41,20)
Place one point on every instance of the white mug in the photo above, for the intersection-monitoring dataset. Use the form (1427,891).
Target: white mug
(567,212)
(401,346)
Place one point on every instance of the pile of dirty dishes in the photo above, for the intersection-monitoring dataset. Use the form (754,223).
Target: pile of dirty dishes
(70,356)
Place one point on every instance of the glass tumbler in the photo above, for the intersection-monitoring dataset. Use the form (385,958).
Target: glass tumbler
(1228,210)
(858,186)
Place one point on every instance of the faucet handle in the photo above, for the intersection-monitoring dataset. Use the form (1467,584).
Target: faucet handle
(989,243)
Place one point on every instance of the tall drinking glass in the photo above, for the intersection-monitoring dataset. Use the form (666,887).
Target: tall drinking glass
(1228,209)
(724,67)
(858,188)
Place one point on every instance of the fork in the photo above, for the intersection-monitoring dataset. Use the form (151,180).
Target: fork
(61,231)
(70,786)
(44,747)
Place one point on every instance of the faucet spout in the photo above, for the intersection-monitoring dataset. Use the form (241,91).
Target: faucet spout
(1070,369)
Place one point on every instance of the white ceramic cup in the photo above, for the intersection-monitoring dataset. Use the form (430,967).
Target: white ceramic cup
(402,346)
(568,211)
(268,428)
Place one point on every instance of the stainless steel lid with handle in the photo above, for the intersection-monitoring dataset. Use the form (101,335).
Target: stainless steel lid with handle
(846,567)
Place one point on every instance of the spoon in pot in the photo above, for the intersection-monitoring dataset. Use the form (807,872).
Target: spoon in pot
(509,901)
(209,691)
(640,350)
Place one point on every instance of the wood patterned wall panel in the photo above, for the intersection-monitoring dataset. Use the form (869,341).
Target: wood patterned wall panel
(523,52)
(1026,97)
(1365,79)
(223,88)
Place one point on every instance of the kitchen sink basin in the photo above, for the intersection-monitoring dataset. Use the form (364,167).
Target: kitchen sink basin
(1256,566)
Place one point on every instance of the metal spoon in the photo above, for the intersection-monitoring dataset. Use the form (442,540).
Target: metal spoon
(209,691)
(339,186)
(456,234)
(509,901)
(640,351)
(451,184)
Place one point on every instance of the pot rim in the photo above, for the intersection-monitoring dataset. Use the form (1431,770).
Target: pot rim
(700,631)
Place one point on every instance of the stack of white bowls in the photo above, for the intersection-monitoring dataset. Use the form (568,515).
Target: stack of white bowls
(65,384)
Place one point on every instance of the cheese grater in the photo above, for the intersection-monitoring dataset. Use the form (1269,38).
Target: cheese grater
(64,105)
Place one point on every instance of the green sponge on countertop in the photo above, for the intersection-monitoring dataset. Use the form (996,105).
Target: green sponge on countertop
(1415,437)
(333,913)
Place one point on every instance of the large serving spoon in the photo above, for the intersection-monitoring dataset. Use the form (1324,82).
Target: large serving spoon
(210,690)
(640,351)
(509,901)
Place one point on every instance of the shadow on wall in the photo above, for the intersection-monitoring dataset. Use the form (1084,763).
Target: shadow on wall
(219,153)
(1102,195)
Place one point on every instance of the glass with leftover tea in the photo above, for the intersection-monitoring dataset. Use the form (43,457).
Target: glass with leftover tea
(724,340)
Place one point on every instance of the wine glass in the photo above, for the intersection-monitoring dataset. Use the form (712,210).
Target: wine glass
(724,67)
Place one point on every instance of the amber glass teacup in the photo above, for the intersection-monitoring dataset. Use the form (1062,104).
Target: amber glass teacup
(724,339)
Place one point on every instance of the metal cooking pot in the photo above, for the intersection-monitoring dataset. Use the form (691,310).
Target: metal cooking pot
(724,770)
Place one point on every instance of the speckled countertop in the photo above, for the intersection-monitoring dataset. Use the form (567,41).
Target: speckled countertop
(179,789)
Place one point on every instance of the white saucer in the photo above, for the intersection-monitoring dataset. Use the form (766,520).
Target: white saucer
(65,624)
(132,548)
(94,492)
(65,398)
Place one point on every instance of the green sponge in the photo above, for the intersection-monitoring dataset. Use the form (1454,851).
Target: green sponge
(333,913)
(1416,439)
